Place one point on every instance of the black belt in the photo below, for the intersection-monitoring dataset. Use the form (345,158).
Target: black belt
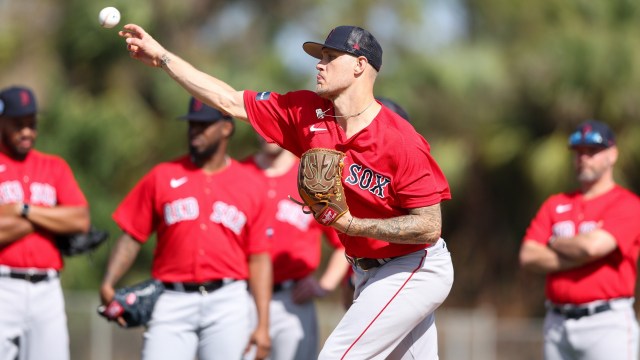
(203,288)
(285,285)
(576,312)
(30,277)
(367,263)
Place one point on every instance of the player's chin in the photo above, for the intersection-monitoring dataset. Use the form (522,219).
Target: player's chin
(324,92)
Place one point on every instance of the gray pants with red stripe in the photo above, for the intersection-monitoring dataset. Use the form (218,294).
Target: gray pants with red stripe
(393,313)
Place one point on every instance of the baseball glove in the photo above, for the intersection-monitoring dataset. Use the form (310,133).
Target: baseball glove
(320,184)
(76,244)
(133,303)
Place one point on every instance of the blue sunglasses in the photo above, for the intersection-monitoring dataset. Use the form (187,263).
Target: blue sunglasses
(590,138)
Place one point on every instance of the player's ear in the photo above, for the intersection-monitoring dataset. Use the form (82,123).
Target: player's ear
(360,65)
(227,128)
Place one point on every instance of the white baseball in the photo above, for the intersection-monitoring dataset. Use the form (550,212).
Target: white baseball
(109,17)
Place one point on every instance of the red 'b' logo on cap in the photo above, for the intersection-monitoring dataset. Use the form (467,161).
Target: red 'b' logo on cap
(25,99)
(197,105)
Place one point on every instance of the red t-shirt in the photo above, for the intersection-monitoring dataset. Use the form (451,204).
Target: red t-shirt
(295,240)
(206,224)
(388,168)
(569,214)
(42,180)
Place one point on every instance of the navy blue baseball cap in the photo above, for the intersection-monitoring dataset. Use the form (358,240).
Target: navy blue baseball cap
(592,133)
(350,39)
(17,101)
(199,111)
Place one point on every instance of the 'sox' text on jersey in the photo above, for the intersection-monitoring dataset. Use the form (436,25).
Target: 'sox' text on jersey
(229,216)
(289,212)
(368,179)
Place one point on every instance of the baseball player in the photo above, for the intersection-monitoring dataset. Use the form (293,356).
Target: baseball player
(587,243)
(39,197)
(392,185)
(295,255)
(205,209)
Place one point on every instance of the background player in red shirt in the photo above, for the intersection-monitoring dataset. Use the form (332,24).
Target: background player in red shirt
(206,210)
(392,185)
(39,197)
(295,253)
(587,242)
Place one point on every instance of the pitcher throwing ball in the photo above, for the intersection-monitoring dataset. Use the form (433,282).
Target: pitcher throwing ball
(392,185)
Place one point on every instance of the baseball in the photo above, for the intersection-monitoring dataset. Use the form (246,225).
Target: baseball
(109,17)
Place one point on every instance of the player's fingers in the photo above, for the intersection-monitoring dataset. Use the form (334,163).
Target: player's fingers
(262,351)
(134,29)
(121,321)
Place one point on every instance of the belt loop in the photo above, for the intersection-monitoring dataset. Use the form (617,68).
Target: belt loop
(202,290)
(177,286)
(52,274)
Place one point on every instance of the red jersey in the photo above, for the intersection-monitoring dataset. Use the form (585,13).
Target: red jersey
(295,240)
(569,214)
(41,180)
(388,167)
(206,224)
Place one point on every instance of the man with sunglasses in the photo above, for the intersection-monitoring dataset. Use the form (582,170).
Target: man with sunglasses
(587,243)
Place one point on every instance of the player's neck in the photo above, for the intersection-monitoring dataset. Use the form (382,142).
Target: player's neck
(353,124)
(214,164)
(276,165)
(595,189)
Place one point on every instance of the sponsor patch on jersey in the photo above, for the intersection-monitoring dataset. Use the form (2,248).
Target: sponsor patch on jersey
(263,95)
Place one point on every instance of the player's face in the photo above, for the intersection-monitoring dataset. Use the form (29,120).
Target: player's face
(591,163)
(18,135)
(205,138)
(335,73)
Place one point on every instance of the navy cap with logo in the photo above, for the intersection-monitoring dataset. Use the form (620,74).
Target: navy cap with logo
(199,111)
(17,101)
(350,39)
(592,133)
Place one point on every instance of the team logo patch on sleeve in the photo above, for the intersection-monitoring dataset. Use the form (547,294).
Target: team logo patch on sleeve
(263,95)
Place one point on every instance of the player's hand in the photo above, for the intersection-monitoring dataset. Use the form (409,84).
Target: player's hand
(10,209)
(107,293)
(142,46)
(306,289)
(261,342)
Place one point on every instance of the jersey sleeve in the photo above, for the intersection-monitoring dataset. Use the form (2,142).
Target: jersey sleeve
(67,189)
(420,182)
(135,215)
(540,228)
(273,117)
